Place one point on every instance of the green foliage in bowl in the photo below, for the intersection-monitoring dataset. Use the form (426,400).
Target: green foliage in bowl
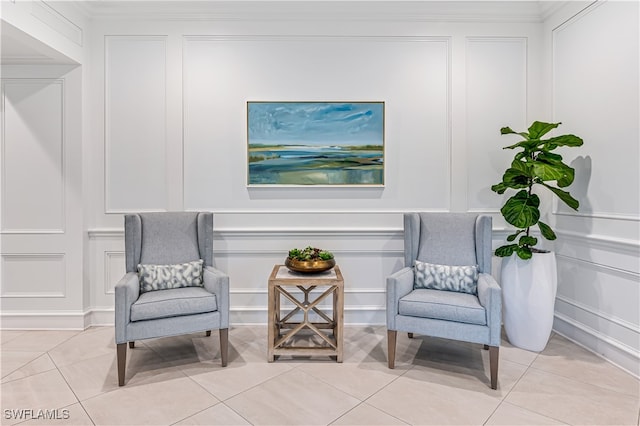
(310,253)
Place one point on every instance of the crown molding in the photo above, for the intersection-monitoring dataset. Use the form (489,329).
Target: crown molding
(328,10)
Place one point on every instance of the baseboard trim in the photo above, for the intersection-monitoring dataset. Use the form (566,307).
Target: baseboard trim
(97,317)
(611,350)
(62,320)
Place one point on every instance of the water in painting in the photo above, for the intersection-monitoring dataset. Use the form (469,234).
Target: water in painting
(315,143)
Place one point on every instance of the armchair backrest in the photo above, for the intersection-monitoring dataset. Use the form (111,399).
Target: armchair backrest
(168,238)
(448,239)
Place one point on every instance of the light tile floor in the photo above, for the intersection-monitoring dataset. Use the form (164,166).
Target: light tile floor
(180,381)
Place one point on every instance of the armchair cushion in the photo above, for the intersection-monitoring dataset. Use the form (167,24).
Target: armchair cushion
(173,303)
(162,277)
(445,277)
(443,305)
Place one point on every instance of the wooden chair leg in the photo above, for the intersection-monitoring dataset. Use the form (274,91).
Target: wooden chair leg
(493,365)
(208,333)
(122,361)
(391,347)
(410,335)
(132,344)
(224,345)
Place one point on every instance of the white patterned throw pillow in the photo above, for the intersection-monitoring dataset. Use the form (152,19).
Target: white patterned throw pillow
(463,279)
(162,277)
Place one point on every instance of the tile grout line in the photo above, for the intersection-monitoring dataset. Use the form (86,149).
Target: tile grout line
(384,387)
(220,402)
(23,366)
(69,385)
(504,399)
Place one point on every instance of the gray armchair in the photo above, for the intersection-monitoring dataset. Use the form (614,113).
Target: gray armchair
(169,239)
(446,239)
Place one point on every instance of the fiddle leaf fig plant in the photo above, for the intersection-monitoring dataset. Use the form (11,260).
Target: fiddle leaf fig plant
(534,164)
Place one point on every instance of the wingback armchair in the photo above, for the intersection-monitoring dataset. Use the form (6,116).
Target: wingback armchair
(445,288)
(171,286)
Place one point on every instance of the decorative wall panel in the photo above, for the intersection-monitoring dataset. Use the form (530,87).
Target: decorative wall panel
(135,123)
(33,166)
(411,75)
(496,77)
(40,275)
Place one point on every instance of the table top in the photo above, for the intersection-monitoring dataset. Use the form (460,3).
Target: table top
(281,275)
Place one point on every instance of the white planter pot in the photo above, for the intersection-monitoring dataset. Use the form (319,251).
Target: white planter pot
(528,294)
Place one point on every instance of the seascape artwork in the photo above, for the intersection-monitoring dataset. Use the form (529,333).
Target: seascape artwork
(315,143)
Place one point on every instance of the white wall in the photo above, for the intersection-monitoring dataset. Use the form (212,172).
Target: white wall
(42,230)
(163,127)
(169,133)
(41,259)
(594,58)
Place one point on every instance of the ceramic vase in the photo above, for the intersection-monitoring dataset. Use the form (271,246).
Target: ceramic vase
(528,295)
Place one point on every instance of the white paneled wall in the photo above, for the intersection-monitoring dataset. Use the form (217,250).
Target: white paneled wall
(156,120)
(213,69)
(135,123)
(410,74)
(596,95)
(496,97)
(41,214)
(33,156)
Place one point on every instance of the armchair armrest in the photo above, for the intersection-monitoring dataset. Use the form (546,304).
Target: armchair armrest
(127,291)
(217,282)
(399,284)
(490,296)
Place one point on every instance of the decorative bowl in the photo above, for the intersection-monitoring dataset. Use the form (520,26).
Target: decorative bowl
(309,266)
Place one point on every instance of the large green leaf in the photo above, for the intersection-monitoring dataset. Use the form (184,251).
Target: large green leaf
(524,252)
(514,178)
(499,188)
(564,196)
(539,129)
(529,146)
(550,157)
(556,169)
(506,251)
(564,140)
(522,166)
(521,210)
(546,231)
(513,237)
(509,131)
(550,172)
(527,240)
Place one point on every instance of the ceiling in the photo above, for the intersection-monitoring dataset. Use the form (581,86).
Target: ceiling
(16,47)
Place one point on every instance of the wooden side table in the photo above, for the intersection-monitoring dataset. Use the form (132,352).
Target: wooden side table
(281,282)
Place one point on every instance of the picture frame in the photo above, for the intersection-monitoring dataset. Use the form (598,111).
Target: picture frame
(315,143)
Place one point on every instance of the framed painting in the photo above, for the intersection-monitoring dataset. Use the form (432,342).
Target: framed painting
(315,143)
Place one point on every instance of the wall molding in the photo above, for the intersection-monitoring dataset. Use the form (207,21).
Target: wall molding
(32,257)
(52,320)
(601,215)
(603,241)
(108,279)
(618,321)
(609,349)
(57,21)
(107,119)
(599,266)
(459,11)
(63,163)
(99,316)
(346,291)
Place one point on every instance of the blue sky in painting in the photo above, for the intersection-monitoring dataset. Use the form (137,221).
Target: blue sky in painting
(316,123)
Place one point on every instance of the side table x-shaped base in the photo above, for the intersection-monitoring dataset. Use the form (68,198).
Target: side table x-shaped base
(331,344)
